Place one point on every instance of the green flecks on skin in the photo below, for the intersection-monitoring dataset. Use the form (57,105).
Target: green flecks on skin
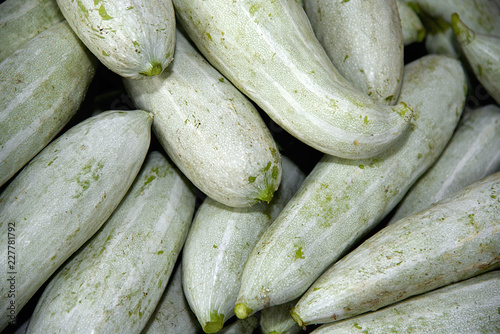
(105,54)
(299,254)
(275,172)
(361,166)
(345,58)
(267,166)
(389,98)
(136,44)
(214,246)
(253,9)
(130,7)
(357,326)
(366,120)
(104,14)
(160,252)
(479,70)
(215,324)
(208,35)
(251,179)
(84,10)
(50,163)
(156,68)
(221,79)
(88,174)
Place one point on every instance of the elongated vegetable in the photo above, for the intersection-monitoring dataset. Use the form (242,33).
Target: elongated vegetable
(364,40)
(341,200)
(470,306)
(210,130)
(42,85)
(218,245)
(482,51)
(277,319)
(21,20)
(413,29)
(455,239)
(114,282)
(133,38)
(63,196)
(472,154)
(480,15)
(172,314)
(269,51)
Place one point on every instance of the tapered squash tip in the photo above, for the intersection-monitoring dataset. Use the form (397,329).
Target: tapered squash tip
(242,311)
(462,32)
(215,324)
(156,68)
(297,319)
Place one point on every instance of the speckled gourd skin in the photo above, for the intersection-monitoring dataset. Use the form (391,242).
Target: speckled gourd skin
(21,20)
(455,239)
(133,38)
(114,282)
(64,195)
(470,306)
(173,314)
(269,51)
(413,29)
(482,51)
(42,85)
(481,15)
(210,130)
(364,40)
(471,154)
(341,200)
(218,245)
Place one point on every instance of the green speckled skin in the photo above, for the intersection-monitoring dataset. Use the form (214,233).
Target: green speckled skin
(173,314)
(455,239)
(268,50)
(470,306)
(114,282)
(42,85)
(64,195)
(218,245)
(341,200)
(413,29)
(210,130)
(482,52)
(133,38)
(21,20)
(364,40)
(471,154)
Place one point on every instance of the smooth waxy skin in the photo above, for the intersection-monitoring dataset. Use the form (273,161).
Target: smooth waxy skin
(482,51)
(364,40)
(172,314)
(341,200)
(455,239)
(480,15)
(133,38)
(472,154)
(269,51)
(21,20)
(277,319)
(42,85)
(113,283)
(210,130)
(218,245)
(64,195)
(470,306)
(413,29)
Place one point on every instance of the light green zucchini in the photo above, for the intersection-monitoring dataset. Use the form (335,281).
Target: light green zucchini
(482,51)
(63,196)
(211,131)
(114,282)
(470,306)
(218,245)
(455,239)
(42,85)
(364,40)
(471,154)
(341,200)
(172,314)
(21,20)
(246,326)
(269,51)
(133,38)
(413,29)
(481,15)
(277,319)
